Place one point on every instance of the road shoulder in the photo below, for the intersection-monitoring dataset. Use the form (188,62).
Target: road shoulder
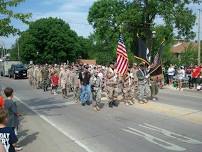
(37,135)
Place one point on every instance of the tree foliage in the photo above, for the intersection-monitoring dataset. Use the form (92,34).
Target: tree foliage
(7,14)
(109,18)
(50,40)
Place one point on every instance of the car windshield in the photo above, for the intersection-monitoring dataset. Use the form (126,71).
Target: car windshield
(20,66)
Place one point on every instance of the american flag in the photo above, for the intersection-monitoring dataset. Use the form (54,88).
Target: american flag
(122,57)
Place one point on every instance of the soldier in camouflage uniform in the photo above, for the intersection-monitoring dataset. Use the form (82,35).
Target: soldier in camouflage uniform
(39,78)
(71,79)
(134,86)
(30,75)
(127,89)
(96,84)
(67,71)
(63,78)
(112,86)
(45,78)
(35,76)
(76,83)
(143,85)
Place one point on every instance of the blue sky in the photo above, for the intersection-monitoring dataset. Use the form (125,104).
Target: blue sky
(74,12)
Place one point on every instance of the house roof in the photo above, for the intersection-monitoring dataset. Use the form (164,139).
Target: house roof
(181,47)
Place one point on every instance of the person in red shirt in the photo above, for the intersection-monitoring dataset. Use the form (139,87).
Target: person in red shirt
(196,75)
(54,82)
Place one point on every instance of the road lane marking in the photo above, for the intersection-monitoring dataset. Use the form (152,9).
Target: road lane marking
(171,134)
(37,107)
(160,142)
(65,133)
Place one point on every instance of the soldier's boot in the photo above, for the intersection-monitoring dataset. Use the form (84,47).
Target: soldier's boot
(115,103)
(63,93)
(46,88)
(130,101)
(96,108)
(145,101)
(110,104)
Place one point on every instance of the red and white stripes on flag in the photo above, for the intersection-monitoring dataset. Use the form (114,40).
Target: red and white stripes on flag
(122,57)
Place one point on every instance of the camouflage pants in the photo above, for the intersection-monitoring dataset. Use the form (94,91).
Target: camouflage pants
(76,92)
(45,84)
(154,89)
(31,80)
(38,84)
(112,93)
(97,94)
(143,91)
(127,94)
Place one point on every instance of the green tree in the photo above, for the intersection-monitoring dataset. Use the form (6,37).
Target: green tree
(138,16)
(7,14)
(189,57)
(50,40)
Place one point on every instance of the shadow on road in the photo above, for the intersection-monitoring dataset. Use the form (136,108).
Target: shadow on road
(25,139)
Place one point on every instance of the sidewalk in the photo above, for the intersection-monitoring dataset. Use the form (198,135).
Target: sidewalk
(183,89)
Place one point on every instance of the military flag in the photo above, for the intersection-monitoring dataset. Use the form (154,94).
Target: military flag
(142,52)
(156,67)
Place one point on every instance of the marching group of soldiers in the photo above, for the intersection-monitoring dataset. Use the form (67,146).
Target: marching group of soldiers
(129,88)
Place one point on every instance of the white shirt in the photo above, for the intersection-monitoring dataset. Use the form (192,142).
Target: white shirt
(181,73)
(171,71)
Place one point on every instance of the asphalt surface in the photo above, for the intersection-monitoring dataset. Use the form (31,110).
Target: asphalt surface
(50,123)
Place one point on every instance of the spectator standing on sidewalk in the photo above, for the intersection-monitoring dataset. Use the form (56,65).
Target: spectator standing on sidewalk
(188,73)
(171,73)
(181,77)
(196,75)
(11,107)
(13,115)
(8,137)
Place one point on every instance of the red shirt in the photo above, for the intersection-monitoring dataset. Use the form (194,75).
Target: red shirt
(1,102)
(55,80)
(196,72)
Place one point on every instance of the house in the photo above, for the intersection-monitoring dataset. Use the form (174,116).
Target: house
(181,46)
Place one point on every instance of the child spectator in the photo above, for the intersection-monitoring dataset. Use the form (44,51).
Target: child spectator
(54,82)
(11,107)
(7,134)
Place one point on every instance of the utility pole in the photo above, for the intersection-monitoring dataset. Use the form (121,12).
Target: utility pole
(18,50)
(199,38)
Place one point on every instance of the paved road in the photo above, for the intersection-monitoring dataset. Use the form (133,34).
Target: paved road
(51,124)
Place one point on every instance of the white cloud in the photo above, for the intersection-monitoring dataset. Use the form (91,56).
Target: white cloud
(74,12)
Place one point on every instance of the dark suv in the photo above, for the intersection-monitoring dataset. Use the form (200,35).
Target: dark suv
(17,71)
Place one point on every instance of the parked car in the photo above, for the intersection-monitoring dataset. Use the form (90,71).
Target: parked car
(5,65)
(17,71)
